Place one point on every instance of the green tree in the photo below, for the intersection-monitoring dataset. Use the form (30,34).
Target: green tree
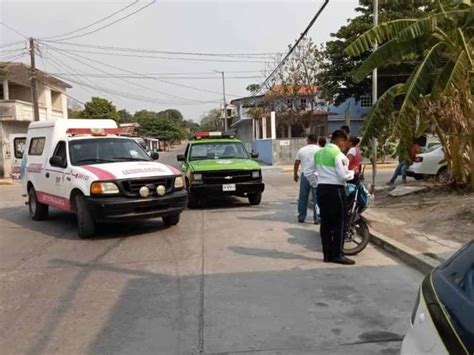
(161,128)
(444,40)
(98,107)
(337,67)
(173,115)
(126,117)
(212,120)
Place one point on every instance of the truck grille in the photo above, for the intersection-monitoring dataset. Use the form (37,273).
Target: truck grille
(226,177)
(131,187)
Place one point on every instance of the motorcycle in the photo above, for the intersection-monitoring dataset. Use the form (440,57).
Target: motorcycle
(357,233)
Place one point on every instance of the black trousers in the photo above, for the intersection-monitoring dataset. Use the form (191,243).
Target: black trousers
(332,202)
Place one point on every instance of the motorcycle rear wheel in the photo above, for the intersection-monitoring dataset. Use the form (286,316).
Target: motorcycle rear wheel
(357,238)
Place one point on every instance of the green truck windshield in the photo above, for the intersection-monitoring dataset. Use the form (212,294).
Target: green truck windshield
(218,150)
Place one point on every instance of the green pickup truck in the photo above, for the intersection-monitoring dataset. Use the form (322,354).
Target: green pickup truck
(215,164)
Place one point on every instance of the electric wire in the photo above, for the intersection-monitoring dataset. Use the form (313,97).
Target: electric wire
(142,75)
(92,85)
(141,50)
(14,30)
(94,23)
(162,57)
(111,23)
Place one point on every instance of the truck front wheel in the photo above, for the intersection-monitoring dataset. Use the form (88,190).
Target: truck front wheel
(169,221)
(85,222)
(255,198)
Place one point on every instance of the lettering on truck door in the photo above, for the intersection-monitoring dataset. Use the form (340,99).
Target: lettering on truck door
(57,179)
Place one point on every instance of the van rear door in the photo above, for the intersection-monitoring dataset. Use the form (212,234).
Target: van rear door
(18,144)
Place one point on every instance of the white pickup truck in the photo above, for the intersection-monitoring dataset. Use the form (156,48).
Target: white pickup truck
(87,168)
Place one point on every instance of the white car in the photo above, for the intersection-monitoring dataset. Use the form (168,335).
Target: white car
(442,321)
(429,164)
(87,168)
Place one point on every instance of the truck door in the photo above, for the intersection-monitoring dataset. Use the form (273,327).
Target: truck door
(18,144)
(58,178)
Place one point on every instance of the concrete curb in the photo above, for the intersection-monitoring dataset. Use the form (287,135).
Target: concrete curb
(409,256)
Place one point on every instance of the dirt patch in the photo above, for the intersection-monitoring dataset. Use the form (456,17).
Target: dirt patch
(439,211)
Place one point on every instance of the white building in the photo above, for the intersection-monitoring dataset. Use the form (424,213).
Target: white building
(16,105)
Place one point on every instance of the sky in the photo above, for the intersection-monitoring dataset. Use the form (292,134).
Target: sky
(190,84)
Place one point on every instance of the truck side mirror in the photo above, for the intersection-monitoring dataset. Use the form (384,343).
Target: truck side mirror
(155,155)
(180,157)
(254,155)
(57,161)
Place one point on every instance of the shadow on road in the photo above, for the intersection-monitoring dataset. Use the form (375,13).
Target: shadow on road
(62,225)
(274,254)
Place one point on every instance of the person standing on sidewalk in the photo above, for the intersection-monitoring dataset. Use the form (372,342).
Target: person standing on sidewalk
(403,165)
(305,158)
(355,157)
(332,170)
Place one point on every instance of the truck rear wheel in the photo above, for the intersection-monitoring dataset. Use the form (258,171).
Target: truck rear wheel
(169,221)
(255,198)
(38,210)
(85,222)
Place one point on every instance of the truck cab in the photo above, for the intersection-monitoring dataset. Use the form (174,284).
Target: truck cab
(218,164)
(86,167)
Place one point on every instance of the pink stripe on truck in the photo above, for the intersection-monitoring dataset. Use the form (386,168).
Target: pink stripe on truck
(100,173)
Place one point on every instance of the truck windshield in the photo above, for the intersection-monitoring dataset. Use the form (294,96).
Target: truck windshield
(105,150)
(218,150)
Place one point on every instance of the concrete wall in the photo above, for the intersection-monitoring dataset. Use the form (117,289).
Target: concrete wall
(18,92)
(244,132)
(284,150)
(264,148)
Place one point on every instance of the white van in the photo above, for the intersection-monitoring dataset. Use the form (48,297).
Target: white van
(87,168)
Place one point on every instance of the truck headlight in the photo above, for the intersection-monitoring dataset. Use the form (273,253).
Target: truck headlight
(256,174)
(196,177)
(178,182)
(104,188)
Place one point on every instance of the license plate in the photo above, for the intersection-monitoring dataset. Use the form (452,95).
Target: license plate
(228,187)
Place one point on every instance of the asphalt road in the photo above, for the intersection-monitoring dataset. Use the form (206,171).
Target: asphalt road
(229,279)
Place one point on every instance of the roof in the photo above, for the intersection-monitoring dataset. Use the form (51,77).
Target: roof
(20,73)
(290,90)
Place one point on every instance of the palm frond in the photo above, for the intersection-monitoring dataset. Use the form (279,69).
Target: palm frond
(390,52)
(430,24)
(376,121)
(378,34)
(458,75)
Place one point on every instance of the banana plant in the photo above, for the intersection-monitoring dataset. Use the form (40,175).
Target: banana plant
(445,41)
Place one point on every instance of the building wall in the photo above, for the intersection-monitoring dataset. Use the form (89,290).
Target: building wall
(353,109)
(18,92)
(264,149)
(284,150)
(244,132)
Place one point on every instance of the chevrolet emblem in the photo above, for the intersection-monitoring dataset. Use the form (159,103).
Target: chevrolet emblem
(228,178)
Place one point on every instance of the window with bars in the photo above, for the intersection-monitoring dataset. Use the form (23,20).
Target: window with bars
(366,101)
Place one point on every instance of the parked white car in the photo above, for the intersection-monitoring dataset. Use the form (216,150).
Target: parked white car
(429,164)
(87,168)
(442,321)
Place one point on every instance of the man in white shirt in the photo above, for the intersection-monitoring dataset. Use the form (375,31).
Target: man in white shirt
(308,182)
(333,173)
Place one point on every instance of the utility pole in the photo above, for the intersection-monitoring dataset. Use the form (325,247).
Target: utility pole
(223,97)
(374,99)
(34,91)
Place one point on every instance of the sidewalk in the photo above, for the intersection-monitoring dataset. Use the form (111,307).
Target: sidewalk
(423,229)
(289,168)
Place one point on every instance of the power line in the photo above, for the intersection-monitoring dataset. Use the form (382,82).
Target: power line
(305,32)
(135,50)
(151,76)
(139,74)
(127,81)
(111,23)
(9,44)
(160,57)
(124,94)
(94,23)
(14,30)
